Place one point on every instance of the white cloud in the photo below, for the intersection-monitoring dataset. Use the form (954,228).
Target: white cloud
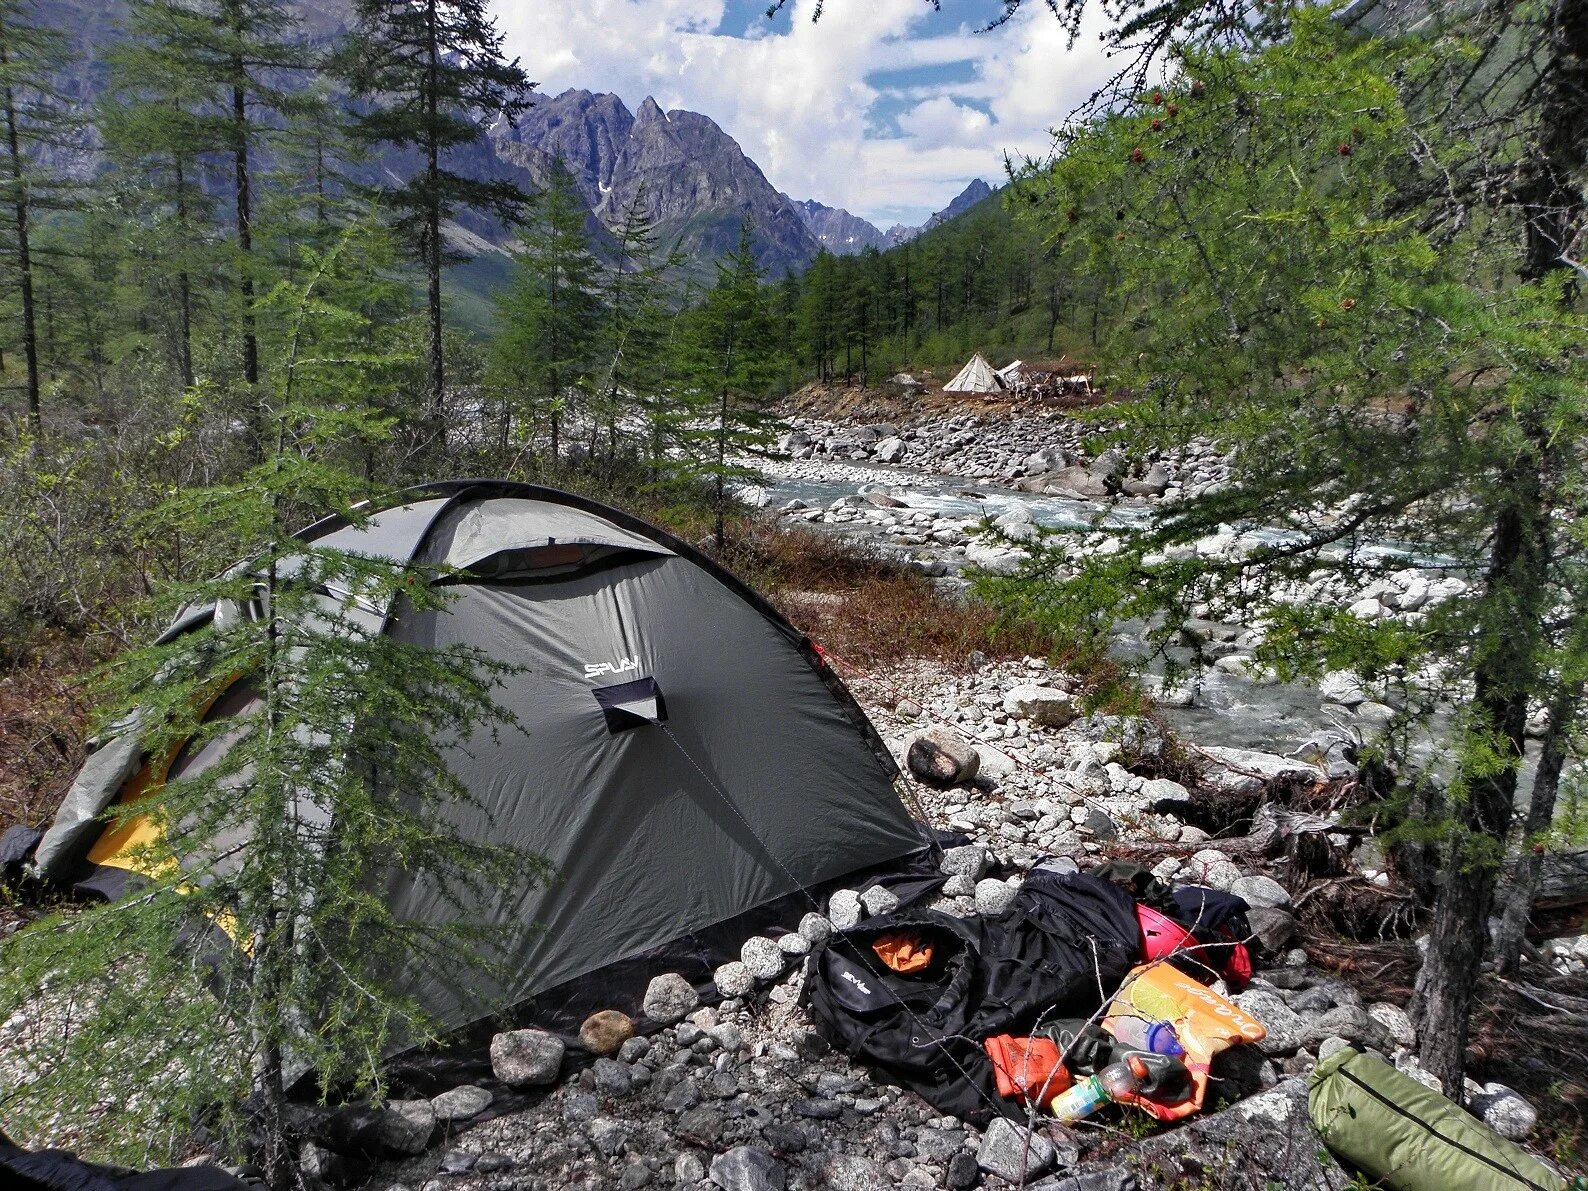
(941,121)
(799,101)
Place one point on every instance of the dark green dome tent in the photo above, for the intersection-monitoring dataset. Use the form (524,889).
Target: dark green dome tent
(688,759)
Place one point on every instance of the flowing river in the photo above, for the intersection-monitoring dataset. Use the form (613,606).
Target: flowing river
(1227,709)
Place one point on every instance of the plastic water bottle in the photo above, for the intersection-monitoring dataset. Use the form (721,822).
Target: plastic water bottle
(1111,1083)
(1137,1033)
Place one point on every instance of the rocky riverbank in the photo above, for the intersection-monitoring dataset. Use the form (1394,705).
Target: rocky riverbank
(743,1095)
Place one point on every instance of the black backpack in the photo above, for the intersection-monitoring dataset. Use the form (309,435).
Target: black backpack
(1045,958)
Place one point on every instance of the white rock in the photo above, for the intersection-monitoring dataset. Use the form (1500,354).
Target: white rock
(669,998)
(460,1103)
(995,560)
(762,958)
(968,860)
(733,979)
(1261,891)
(1045,705)
(1342,687)
(1244,770)
(1160,788)
(524,1057)
(843,908)
(815,928)
(993,897)
(1504,1111)
(879,900)
(406,1125)
(890,450)
(1211,867)
(1396,1022)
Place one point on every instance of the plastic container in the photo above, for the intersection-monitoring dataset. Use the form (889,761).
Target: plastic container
(1114,1082)
(1140,1033)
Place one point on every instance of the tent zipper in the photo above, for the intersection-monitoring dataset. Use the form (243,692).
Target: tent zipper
(1398,1110)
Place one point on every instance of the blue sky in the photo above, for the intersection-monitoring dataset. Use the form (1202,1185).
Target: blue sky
(885,107)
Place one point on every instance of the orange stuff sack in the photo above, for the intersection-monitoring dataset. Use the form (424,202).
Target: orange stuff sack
(903,952)
(1205,1023)
(1026,1067)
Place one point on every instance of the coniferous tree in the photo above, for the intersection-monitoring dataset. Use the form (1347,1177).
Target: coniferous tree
(156,138)
(728,368)
(551,316)
(238,966)
(818,314)
(312,199)
(40,128)
(225,70)
(1375,306)
(428,71)
(639,310)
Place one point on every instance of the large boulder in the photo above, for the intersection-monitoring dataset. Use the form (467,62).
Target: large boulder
(890,450)
(520,1058)
(1077,482)
(1014,1153)
(1263,1142)
(995,559)
(1048,459)
(1154,482)
(942,757)
(1045,705)
(748,1168)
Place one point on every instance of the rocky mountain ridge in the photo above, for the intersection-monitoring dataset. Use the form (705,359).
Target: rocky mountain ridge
(691,178)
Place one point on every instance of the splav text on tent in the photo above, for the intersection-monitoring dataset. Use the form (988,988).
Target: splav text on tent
(621,666)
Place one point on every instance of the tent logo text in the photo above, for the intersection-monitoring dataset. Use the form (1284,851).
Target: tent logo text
(621,666)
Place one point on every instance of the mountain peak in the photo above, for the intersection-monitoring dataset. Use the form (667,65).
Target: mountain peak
(974,193)
(649,112)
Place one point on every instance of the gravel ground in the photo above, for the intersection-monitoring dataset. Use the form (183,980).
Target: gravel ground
(744,1096)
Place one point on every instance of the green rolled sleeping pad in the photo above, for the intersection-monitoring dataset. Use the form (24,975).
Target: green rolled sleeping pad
(1407,1137)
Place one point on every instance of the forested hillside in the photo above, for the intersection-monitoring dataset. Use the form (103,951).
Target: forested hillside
(984,280)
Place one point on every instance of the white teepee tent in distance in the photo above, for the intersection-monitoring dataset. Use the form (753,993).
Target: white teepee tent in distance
(978,376)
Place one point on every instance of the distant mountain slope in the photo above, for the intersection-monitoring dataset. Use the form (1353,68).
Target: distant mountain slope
(844,234)
(691,178)
(838,231)
(964,201)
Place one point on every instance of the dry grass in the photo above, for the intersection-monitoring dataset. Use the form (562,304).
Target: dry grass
(866,611)
(44,713)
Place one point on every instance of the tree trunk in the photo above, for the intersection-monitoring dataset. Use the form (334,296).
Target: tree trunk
(245,223)
(1529,865)
(1447,984)
(432,85)
(184,288)
(722,462)
(20,204)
